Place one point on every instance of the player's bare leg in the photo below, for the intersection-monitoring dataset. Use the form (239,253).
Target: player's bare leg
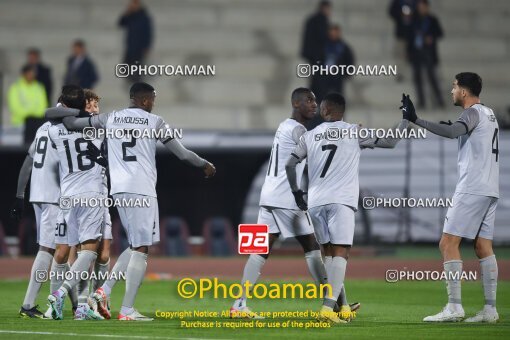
(134,276)
(102,264)
(489,269)
(251,273)
(42,262)
(73,254)
(453,311)
(336,275)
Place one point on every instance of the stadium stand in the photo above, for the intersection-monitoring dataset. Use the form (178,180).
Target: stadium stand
(254,46)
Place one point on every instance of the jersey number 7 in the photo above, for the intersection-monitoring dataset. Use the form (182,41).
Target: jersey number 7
(332,149)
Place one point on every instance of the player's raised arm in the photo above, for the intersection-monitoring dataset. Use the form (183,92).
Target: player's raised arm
(189,157)
(295,158)
(59,112)
(466,122)
(85,120)
(389,142)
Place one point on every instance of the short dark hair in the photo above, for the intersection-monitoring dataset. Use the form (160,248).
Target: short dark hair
(73,96)
(335,26)
(324,3)
(296,94)
(140,88)
(26,68)
(79,42)
(335,99)
(470,81)
(34,50)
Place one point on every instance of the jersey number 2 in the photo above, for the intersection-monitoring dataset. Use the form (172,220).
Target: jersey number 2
(126,145)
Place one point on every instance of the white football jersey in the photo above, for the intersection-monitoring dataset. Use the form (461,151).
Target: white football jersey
(78,174)
(132,161)
(44,181)
(333,165)
(276,190)
(478,158)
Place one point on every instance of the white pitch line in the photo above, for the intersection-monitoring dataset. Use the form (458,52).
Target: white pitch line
(103,335)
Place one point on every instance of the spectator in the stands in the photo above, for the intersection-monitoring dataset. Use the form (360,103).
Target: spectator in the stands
(423,52)
(138,25)
(42,72)
(26,97)
(81,70)
(337,52)
(315,37)
(401,12)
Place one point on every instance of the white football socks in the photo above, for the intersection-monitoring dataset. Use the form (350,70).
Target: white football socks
(41,264)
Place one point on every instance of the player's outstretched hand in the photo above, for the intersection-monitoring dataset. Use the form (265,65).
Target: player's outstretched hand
(209,170)
(95,155)
(17,208)
(300,199)
(408,111)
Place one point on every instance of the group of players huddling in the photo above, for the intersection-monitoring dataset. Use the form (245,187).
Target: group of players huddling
(313,201)
(64,164)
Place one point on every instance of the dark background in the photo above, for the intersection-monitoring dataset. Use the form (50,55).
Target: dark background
(182,190)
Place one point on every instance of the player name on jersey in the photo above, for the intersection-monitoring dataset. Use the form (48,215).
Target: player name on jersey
(131,120)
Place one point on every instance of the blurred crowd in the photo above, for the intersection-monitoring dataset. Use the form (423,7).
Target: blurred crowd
(417,33)
(32,92)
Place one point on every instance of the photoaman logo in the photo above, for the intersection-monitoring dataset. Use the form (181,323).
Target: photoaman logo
(253,239)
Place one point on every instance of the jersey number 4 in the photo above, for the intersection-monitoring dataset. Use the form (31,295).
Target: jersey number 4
(495,139)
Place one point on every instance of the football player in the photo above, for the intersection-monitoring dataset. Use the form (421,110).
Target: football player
(278,209)
(333,170)
(133,162)
(476,195)
(41,168)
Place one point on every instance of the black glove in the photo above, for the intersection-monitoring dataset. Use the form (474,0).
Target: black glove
(83,114)
(300,199)
(95,155)
(408,111)
(17,208)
